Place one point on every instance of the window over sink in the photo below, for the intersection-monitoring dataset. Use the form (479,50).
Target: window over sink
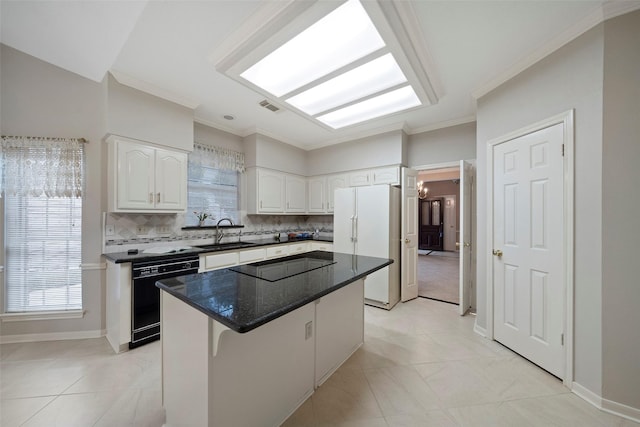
(213,181)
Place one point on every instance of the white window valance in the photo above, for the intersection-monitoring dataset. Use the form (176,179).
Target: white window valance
(216,158)
(41,166)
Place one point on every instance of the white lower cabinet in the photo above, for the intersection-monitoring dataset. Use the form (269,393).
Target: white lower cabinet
(211,389)
(339,328)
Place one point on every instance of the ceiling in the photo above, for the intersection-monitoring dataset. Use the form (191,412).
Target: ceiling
(168,48)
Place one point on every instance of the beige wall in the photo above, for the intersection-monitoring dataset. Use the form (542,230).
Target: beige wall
(40,99)
(138,115)
(218,138)
(570,78)
(620,211)
(378,150)
(442,145)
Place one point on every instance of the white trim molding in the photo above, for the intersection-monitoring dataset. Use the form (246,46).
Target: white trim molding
(51,336)
(93,266)
(567,119)
(479,329)
(606,405)
(42,315)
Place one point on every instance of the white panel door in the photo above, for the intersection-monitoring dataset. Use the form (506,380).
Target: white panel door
(409,235)
(528,261)
(466,180)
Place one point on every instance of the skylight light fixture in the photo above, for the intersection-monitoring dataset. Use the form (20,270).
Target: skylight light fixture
(388,103)
(374,76)
(340,38)
(336,65)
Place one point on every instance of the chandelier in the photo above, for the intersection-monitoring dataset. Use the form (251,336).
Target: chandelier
(422,190)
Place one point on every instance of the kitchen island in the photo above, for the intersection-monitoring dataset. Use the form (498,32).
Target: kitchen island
(248,344)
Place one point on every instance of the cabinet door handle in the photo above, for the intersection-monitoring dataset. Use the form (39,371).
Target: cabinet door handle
(260,204)
(150,197)
(158,198)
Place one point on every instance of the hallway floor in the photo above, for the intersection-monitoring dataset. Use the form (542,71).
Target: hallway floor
(421,365)
(438,274)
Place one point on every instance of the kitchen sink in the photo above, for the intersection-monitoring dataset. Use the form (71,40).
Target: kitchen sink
(226,246)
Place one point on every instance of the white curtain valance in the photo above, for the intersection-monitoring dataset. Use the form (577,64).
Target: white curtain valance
(34,166)
(216,158)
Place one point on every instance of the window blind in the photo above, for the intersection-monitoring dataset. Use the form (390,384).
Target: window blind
(213,183)
(42,253)
(42,188)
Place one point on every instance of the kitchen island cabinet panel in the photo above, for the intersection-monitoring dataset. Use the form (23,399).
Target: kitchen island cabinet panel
(254,379)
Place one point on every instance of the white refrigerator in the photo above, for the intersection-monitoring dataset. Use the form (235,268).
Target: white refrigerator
(366,221)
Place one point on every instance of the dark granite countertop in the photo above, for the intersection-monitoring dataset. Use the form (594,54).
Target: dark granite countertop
(121,257)
(241,301)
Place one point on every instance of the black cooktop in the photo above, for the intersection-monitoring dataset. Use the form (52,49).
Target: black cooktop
(279,269)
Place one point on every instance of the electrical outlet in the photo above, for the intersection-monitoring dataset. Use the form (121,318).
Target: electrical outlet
(142,230)
(110,230)
(308,330)
(163,229)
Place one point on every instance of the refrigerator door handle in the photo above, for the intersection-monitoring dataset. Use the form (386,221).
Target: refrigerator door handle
(352,218)
(355,233)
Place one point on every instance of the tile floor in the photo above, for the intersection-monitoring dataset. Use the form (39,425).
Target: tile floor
(421,365)
(438,276)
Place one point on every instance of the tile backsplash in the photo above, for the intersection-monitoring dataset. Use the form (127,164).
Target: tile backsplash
(124,230)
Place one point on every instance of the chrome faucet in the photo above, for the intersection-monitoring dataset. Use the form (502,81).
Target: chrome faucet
(220,235)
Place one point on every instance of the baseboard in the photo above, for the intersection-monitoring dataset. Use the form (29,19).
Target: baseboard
(51,336)
(479,329)
(621,410)
(606,405)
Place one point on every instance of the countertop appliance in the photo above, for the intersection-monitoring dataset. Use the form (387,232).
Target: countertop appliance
(145,296)
(366,221)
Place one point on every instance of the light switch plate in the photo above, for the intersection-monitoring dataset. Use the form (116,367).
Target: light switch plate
(110,230)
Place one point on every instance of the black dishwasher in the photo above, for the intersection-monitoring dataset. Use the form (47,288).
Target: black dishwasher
(145,296)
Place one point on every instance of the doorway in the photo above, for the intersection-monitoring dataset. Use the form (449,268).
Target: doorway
(529,279)
(438,213)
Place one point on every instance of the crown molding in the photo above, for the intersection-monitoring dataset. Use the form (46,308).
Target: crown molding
(602,13)
(154,90)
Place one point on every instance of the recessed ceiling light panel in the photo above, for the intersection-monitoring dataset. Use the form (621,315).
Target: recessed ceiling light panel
(374,76)
(388,103)
(340,38)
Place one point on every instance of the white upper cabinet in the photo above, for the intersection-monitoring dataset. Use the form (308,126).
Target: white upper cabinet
(296,194)
(360,178)
(388,175)
(273,192)
(334,182)
(316,192)
(143,178)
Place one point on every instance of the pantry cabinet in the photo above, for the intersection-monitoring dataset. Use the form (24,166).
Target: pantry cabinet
(146,178)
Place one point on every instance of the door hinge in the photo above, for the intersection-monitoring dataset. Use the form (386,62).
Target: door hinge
(561,339)
(562,150)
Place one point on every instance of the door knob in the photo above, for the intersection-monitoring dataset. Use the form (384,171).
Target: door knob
(467,244)
(497,252)
(407,240)
(457,244)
